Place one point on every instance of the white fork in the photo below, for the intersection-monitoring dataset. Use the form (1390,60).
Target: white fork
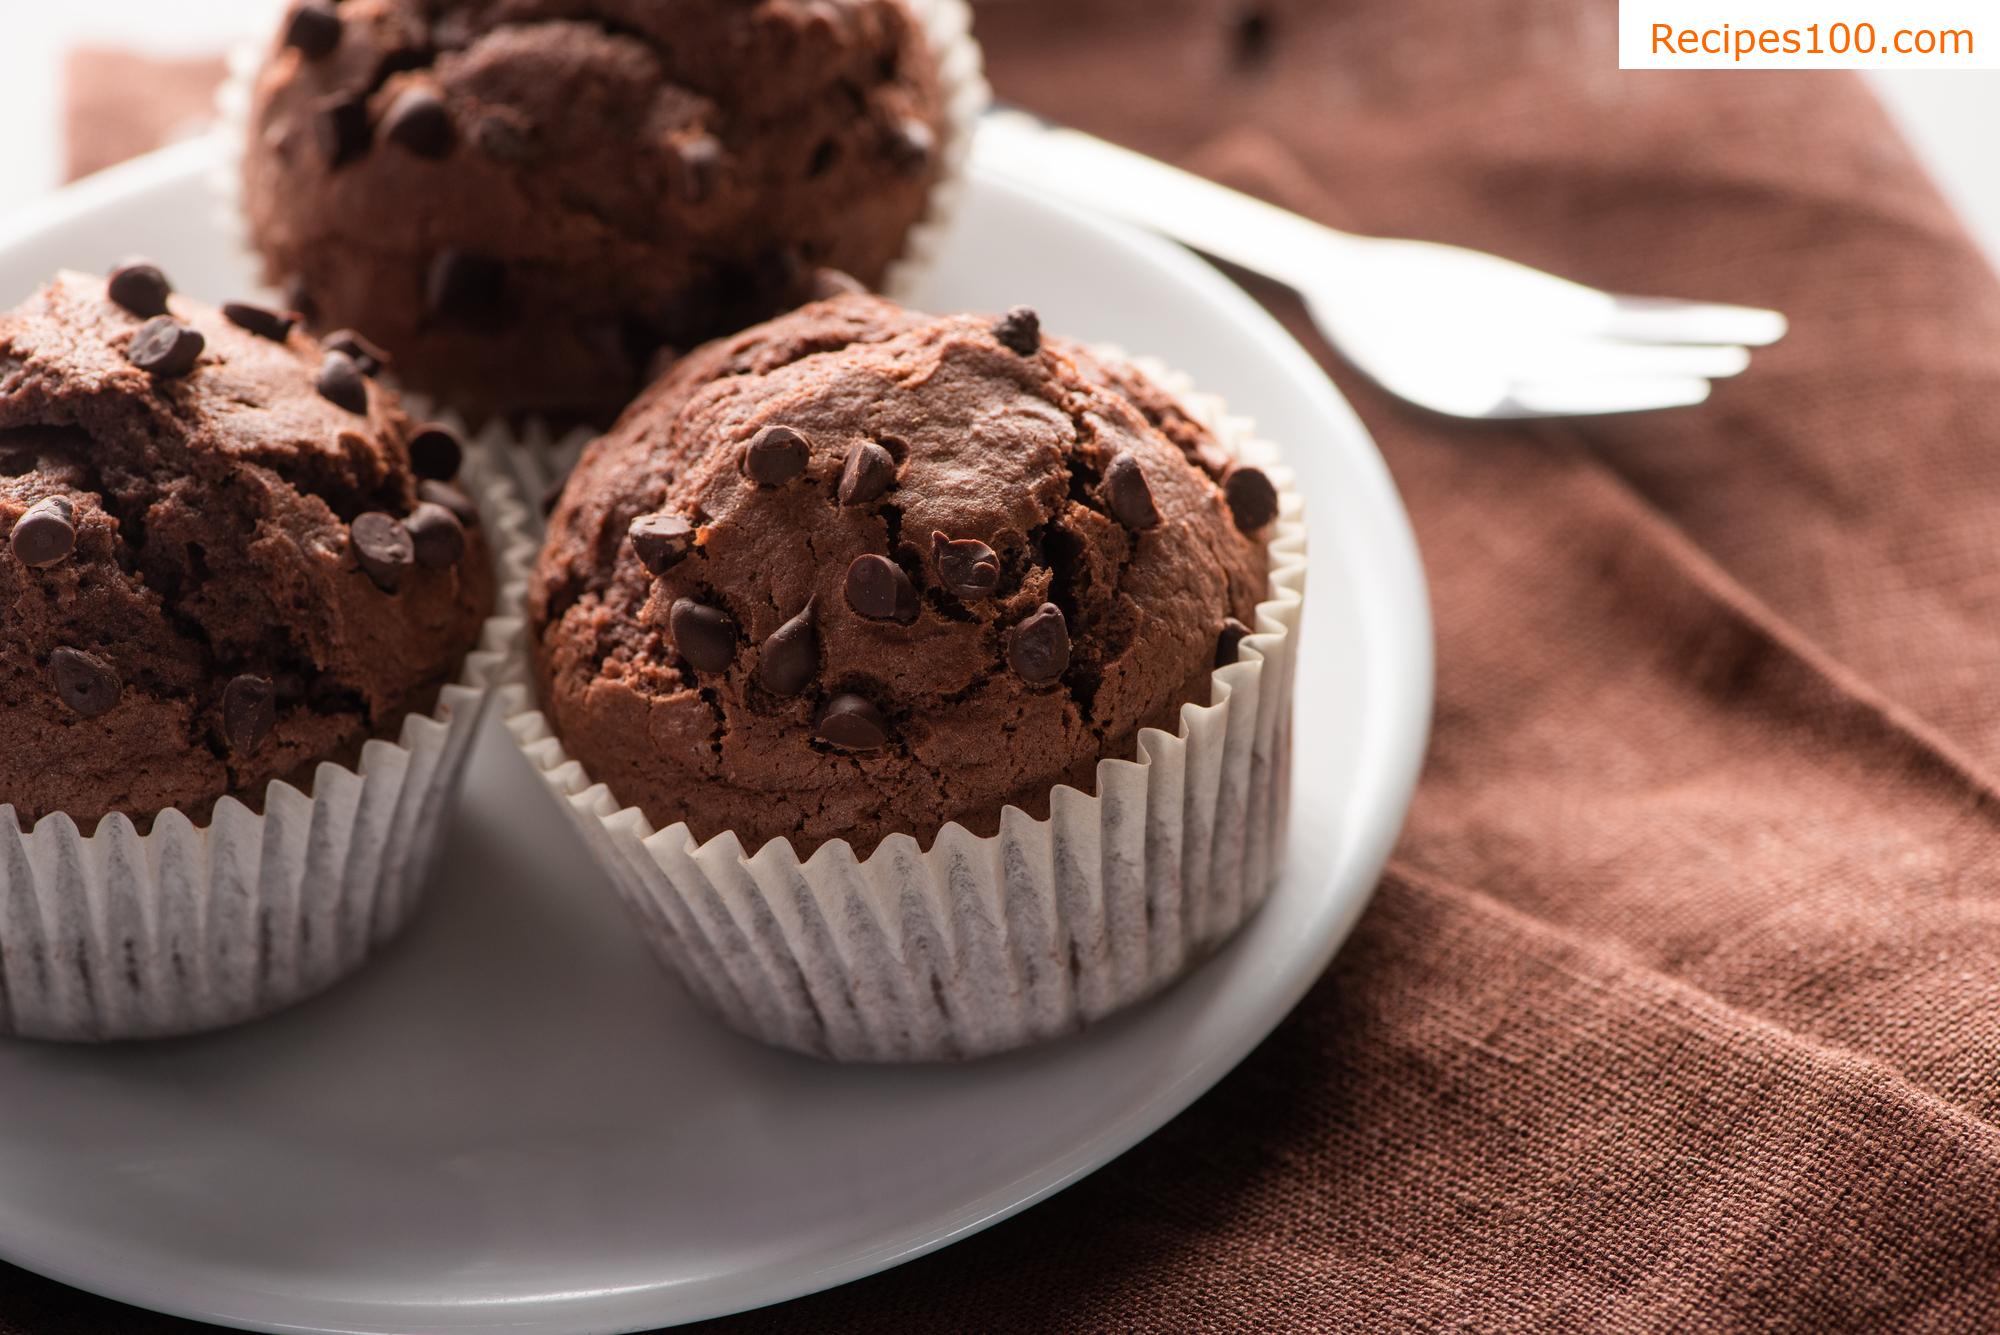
(1454,330)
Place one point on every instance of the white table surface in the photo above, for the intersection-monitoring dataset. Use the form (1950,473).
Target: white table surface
(1942,112)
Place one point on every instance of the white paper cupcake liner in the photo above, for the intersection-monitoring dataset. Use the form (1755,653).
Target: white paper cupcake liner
(121,935)
(982,944)
(961,73)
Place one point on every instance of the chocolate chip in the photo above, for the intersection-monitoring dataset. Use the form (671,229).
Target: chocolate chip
(418,122)
(259,320)
(789,658)
(340,126)
(1250,35)
(1038,650)
(165,348)
(912,144)
(464,286)
(1130,495)
(139,287)
(436,535)
(1231,639)
(775,456)
(1020,331)
(870,470)
(697,167)
(341,383)
(313,30)
(852,724)
(966,566)
(826,284)
(878,589)
(1253,501)
(299,297)
(85,682)
(451,498)
(436,452)
(383,547)
(45,533)
(249,710)
(705,635)
(661,541)
(366,355)
(502,140)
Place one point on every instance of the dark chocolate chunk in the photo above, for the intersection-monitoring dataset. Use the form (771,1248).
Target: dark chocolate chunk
(340,125)
(912,143)
(1250,35)
(299,297)
(775,455)
(1038,650)
(139,287)
(451,498)
(502,140)
(789,658)
(705,635)
(313,30)
(878,589)
(697,167)
(464,286)
(164,347)
(870,470)
(418,122)
(661,541)
(1229,641)
(436,452)
(966,566)
(383,547)
(341,383)
(1130,496)
(828,283)
(249,710)
(85,682)
(370,358)
(1253,501)
(259,320)
(45,533)
(1020,331)
(436,535)
(852,724)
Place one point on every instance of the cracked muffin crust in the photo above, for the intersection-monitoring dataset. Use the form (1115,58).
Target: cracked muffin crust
(220,566)
(524,199)
(861,571)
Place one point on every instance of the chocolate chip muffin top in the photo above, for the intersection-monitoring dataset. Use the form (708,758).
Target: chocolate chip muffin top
(860,571)
(524,199)
(220,567)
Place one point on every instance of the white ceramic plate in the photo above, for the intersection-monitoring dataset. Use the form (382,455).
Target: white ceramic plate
(515,1121)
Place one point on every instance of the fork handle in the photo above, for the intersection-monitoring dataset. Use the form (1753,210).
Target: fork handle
(1104,178)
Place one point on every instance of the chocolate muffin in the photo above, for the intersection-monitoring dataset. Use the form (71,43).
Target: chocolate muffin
(221,566)
(524,200)
(861,571)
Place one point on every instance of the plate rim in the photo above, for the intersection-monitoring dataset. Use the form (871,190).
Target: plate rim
(1409,724)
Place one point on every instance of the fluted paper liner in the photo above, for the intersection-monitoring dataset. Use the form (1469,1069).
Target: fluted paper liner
(962,83)
(982,944)
(190,927)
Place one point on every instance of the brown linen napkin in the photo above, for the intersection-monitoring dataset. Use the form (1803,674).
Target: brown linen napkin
(1680,1008)
(122,104)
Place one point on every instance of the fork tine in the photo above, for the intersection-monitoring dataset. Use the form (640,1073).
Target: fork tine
(1578,359)
(1577,398)
(1665,320)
